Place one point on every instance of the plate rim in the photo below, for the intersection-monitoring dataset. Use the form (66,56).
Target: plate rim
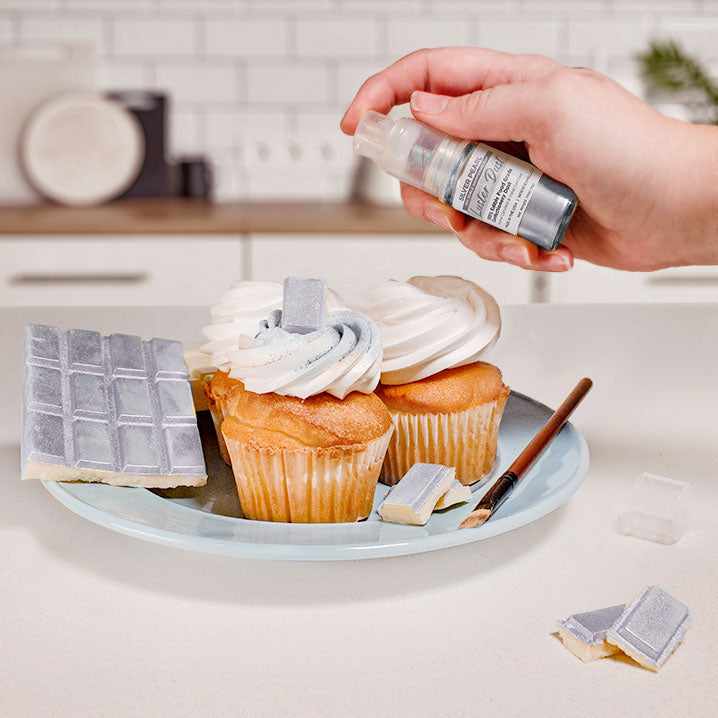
(325,552)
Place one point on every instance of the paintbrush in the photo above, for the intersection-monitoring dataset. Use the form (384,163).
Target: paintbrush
(505,484)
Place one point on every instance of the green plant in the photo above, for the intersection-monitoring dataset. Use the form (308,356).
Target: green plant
(667,68)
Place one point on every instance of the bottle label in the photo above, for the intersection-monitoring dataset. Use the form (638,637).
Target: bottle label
(495,188)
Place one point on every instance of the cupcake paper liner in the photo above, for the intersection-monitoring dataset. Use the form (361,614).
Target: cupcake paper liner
(217,415)
(307,485)
(465,440)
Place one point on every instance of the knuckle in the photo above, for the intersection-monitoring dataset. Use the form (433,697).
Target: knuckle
(567,83)
(537,61)
(477,102)
(414,55)
(563,91)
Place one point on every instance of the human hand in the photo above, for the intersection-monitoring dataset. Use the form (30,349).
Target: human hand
(647,185)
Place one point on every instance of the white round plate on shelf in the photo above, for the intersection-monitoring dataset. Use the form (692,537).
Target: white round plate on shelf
(82,149)
(208,518)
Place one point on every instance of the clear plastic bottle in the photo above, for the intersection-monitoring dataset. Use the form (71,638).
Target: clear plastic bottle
(478,180)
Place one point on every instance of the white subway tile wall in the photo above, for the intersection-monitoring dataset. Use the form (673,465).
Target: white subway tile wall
(256,81)
(247,37)
(6,29)
(144,36)
(405,34)
(34,28)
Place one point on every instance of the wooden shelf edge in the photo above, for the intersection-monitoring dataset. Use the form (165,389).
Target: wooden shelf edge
(196,217)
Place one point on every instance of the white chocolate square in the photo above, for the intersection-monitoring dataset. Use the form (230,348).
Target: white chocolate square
(413,499)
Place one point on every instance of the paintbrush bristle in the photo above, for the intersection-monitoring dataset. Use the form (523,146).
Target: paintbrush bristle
(475,518)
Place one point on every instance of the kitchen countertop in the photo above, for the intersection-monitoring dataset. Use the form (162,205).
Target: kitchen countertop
(178,216)
(96,623)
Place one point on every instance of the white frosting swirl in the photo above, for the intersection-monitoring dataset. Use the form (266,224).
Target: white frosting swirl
(429,324)
(343,356)
(239,313)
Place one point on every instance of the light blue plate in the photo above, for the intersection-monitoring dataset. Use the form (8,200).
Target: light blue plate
(207,519)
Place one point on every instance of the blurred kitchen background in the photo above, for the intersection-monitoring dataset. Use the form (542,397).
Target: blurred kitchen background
(221,151)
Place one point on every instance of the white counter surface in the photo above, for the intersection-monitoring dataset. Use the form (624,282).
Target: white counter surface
(93,623)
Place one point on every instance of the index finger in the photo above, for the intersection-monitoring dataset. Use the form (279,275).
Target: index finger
(445,71)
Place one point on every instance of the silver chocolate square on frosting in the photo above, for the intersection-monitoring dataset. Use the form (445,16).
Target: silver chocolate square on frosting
(304,306)
(650,628)
(114,409)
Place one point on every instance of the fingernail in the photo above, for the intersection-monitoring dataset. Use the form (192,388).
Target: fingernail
(438,217)
(557,262)
(515,254)
(427,103)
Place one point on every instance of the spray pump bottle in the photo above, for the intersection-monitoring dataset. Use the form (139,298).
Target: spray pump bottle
(475,179)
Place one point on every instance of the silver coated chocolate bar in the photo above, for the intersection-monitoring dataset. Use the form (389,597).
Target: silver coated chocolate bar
(112,409)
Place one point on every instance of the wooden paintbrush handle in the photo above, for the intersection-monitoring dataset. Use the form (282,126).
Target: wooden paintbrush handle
(505,484)
(543,437)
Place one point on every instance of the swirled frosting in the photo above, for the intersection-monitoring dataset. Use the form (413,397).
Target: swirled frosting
(341,357)
(429,324)
(239,313)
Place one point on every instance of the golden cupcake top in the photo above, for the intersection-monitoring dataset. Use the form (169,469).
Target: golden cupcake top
(448,391)
(273,421)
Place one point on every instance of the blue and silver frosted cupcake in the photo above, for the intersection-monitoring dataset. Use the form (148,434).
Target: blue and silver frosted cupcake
(305,433)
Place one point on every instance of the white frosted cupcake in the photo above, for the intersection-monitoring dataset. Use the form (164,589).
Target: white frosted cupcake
(305,433)
(446,404)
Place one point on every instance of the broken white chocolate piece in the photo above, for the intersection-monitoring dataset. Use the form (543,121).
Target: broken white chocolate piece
(457,494)
(650,628)
(584,634)
(304,307)
(413,499)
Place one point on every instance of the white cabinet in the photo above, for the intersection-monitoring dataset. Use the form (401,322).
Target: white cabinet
(107,270)
(195,270)
(354,262)
(586,283)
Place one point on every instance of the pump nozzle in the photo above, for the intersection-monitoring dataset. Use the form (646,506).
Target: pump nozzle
(372,135)
(408,150)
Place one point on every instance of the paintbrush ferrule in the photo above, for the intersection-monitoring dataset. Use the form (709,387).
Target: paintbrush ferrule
(499,492)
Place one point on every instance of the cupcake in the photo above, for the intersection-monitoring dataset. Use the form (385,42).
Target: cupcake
(304,431)
(237,316)
(446,404)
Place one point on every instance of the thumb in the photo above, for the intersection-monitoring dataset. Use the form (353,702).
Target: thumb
(504,113)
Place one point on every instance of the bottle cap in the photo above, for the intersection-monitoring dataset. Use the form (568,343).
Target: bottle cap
(372,135)
(409,150)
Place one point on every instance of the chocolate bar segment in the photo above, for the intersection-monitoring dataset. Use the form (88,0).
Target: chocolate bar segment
(43,345)
(412,500)
(584,634)
(304,308)
(651,627)
(114,409)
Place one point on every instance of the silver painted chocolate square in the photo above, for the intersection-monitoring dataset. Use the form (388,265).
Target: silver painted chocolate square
(650,628)
(591,627)
(114,409)
(304,305)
